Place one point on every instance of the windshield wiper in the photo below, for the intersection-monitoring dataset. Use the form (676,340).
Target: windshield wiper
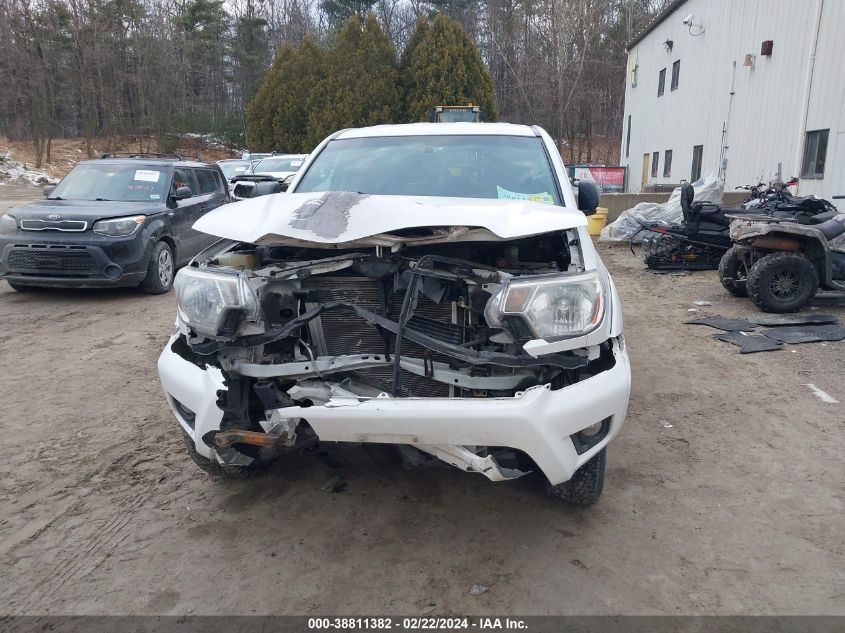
(102,200)
(55,198)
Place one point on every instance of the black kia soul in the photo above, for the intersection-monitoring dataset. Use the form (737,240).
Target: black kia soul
(114,221)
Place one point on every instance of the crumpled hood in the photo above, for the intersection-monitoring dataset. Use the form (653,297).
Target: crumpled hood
(360,219)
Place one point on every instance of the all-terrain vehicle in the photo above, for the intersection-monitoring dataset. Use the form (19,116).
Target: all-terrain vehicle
(700,241)
(780,264)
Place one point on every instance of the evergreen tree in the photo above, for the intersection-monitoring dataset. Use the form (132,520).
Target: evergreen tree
(249,53)
(339,11)
(298,74)
(444,67)
(361,85)
(420,33)
(261,111)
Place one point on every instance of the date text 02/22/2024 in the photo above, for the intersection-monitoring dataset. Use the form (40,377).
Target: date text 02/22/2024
(416,623)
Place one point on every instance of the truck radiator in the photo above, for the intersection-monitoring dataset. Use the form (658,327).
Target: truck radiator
(338,332)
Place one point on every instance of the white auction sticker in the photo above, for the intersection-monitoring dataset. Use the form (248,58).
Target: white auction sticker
(296,163)
(147,175)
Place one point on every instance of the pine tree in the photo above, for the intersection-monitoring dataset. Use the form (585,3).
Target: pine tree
(361,84)
(444,67)
(420,33)
(296,79)
(262,110)
(338,11)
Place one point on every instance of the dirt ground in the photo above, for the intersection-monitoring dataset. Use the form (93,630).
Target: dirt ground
(724,492)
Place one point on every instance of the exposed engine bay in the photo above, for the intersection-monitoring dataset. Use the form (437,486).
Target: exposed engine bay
(308,325)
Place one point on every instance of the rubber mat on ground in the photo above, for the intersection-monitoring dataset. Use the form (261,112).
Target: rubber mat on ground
(749,343)
(780,320)
(725,323)
(806,333)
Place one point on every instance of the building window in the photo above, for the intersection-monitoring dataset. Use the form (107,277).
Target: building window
(667,163)
(695,172)
(661,82)
(655,159)
(815,152)
(628,138)
(676,73)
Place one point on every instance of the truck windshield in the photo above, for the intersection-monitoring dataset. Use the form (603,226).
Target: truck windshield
(121,183)
(471,166)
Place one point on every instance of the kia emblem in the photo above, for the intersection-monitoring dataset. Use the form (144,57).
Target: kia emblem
(54,216)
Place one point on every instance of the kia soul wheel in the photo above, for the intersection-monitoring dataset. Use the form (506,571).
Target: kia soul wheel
(782,282)
(161,270)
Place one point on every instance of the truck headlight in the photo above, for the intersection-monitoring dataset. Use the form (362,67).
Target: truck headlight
(214,303)
(549,306)
(8,224)
(119,227)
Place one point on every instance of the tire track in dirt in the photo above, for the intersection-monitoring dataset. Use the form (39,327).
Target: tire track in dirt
(85,550)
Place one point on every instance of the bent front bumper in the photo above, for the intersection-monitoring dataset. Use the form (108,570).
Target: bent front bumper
(539,421)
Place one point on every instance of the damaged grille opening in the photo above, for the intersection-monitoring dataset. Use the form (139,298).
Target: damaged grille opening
(342,332)
(326,327)
(333,316)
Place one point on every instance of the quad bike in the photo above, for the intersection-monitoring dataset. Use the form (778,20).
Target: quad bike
(780,264)
(700,241)
(697,243)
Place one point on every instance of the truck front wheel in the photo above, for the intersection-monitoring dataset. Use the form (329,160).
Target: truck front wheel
(585,487)
(213,467)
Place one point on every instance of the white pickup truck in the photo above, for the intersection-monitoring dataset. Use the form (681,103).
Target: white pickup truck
(428,286)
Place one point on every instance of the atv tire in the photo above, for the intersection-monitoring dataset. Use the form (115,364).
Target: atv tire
(782,282)
(213,467)
(585,487)
(732,273)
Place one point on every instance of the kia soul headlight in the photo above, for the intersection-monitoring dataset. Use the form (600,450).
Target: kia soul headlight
(119,227)
(214,303)
(8,224)
(548,306)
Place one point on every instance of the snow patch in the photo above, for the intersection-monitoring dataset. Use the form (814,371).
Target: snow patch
(13,172)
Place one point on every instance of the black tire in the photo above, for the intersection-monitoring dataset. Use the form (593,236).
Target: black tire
(213,467)
(21,287)
(585,487)
(160,271)
(782,282)
(732,273)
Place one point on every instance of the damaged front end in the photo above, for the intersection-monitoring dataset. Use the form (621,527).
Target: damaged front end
(455,347)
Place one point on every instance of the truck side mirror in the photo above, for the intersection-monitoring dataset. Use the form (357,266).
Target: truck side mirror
(588,197)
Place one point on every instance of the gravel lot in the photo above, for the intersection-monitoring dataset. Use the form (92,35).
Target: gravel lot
(736,508)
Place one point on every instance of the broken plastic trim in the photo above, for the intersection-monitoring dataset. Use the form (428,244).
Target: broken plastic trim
(470,356)
(461,457)
(327,365)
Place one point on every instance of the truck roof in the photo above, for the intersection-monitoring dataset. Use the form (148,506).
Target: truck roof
(433,129)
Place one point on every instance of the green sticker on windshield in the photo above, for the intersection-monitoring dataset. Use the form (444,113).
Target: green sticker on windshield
(544,197)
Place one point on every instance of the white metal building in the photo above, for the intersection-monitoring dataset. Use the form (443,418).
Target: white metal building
(743,89)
